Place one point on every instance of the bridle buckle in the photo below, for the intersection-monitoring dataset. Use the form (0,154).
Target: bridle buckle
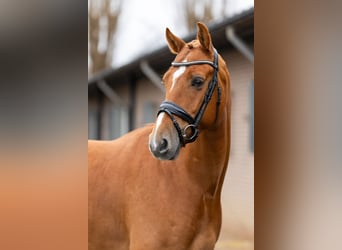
(194,131)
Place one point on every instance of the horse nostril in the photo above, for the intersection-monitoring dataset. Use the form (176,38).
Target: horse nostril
(163,146)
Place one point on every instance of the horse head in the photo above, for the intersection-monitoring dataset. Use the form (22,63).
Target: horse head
(193,85)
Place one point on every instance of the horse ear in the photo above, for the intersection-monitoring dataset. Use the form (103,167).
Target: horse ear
(203,36)
(174,42)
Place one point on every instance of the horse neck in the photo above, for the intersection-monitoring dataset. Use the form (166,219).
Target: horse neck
(208,156)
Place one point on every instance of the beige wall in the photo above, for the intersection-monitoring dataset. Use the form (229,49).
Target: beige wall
(238,189)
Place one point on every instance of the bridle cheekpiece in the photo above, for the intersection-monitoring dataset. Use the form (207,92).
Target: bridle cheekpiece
(172,109)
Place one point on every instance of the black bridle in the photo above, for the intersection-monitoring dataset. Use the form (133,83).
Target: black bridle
(172,109)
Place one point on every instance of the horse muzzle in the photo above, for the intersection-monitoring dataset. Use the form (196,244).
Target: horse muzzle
(164,143)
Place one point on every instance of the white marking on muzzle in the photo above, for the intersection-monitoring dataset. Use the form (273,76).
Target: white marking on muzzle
(159,120)
(177,74)
(153,136)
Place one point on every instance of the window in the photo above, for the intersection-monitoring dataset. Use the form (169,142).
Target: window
(149,112)
(92,122)
(118,121)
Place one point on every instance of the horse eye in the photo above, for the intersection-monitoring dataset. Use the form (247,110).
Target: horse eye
(197,82)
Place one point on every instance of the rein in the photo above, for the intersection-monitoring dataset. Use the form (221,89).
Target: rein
(172,109)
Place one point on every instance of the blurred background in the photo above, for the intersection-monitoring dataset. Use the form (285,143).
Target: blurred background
(127,56)
(45,64)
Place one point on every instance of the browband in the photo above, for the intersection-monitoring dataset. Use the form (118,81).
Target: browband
(177,64)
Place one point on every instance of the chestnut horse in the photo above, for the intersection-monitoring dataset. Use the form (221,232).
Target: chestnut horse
(159,187)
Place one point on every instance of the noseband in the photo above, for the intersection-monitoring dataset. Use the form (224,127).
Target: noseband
(172,109)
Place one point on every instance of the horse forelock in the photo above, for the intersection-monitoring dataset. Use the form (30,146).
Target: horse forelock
(194,49)
(193,44)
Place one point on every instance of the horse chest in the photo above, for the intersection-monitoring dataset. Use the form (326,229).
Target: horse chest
(181,225)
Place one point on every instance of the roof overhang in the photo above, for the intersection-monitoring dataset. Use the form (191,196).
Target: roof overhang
(160,58)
